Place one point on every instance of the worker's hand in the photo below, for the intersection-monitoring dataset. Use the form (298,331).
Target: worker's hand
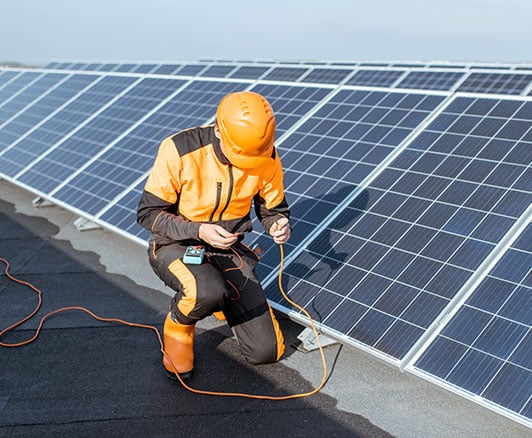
(280,231)
(217,236)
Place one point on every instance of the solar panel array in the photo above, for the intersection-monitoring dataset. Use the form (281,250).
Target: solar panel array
(410,188)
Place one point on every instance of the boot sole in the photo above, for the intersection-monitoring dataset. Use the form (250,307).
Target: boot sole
(184,376)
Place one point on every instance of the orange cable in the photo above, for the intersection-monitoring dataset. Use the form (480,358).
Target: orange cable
(151,327)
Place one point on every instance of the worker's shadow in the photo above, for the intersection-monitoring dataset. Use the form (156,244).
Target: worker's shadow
(321,259)
(325,254)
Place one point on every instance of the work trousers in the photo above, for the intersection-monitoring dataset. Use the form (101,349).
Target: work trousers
(225,281)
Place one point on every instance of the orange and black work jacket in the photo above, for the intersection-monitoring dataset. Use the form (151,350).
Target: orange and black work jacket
(192,182)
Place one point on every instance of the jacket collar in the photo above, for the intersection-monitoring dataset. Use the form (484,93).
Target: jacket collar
(218,149)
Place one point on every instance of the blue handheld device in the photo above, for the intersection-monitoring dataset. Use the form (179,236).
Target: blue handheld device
(194,255)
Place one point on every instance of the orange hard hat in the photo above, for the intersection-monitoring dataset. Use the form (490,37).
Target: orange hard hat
(247,127)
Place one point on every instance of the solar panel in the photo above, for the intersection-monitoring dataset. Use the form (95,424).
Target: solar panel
(218,71)
(166,69)
(335,149)
(407,206)
(286,74)
(431,80)
(95,66)
(77,149)
(326,75)
(11,90)
(377,78)
(110,66)
(485,349)
(53,130)
(126,68)
(121,214)
(131,157)
(249,72)
(190,70)
(401,250)
(496,83)
(7,76)
(18,126)
(145,68)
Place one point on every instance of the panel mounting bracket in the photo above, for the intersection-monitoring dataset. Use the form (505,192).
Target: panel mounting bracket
(309,341)
(40,202)
(83,224)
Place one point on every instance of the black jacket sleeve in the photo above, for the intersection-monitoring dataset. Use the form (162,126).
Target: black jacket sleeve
(155,214)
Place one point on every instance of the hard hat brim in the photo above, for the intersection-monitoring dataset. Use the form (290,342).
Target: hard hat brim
(244,161)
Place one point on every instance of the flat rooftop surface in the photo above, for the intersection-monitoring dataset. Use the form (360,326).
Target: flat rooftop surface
(90,378)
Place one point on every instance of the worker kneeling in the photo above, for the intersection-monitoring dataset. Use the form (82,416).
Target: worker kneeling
(197,204)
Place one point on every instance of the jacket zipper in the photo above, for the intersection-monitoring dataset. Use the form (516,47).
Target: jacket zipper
(229,192)
(218,197)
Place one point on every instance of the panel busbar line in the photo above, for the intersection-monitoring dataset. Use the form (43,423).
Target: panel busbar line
(96,186)
(28,149)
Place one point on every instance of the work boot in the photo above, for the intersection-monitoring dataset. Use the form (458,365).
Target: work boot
(179,347)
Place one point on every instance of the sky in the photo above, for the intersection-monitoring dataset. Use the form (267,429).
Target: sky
(39,31)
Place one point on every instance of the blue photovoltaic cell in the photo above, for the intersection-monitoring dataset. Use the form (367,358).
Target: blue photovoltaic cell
(486,348)
(376,78)
(289,74)
(57,127)
(43,107)
(402,250)
(131,157)
(496,83)
(249,72)
(329,155)
(218,71)
(326,75)
(431,80)
(76,150)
